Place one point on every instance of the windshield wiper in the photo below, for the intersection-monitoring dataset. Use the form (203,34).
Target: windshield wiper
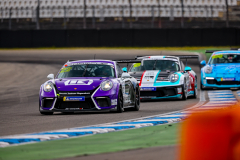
(85,71)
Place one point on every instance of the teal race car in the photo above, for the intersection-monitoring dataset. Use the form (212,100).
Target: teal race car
(222,70)
(163,77)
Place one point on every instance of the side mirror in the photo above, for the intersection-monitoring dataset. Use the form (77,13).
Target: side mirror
(124,69)
(203,63)
(50,76)
(187,68)
(126,75)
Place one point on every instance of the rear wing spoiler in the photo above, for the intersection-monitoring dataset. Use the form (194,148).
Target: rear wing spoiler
(180,56)
(70,60)
(140,60)
(142,56)
(128,61)
(187,56)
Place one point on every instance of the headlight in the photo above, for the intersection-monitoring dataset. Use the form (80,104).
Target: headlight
(106,85)
(48,86)
(208,69)
(174,78)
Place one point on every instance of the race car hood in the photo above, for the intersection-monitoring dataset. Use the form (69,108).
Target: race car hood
(157,78)
(226,68)
(162,74)
(78,84)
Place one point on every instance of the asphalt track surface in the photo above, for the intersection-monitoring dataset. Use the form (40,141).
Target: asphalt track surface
(23,71)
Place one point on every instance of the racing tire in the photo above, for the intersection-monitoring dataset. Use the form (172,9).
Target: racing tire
(195,88)
(202,88)
(120,108)
(184,90)
(137,100)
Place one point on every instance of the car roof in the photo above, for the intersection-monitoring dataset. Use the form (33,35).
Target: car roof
(227,52)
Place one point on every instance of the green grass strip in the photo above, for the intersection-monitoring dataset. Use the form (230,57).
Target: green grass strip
(100,143)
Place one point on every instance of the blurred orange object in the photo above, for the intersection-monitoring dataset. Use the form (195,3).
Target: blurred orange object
(211,135)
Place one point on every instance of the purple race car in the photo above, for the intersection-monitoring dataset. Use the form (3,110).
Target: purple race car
(89,85)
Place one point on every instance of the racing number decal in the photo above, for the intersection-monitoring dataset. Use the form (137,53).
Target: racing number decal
(78,82)
(149,78)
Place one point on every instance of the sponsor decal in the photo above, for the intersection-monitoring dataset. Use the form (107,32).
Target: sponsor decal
(227,79)
(149,74)
(74,98)
(148,89)
(137,65)
(217,56)
(67,69)
(71,64)
(145,84)
(78,82)
(73,108)
(149,77)
(69,93)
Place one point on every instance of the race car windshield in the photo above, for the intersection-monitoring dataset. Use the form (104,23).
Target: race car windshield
(225,58)
(87,70)
(162,65)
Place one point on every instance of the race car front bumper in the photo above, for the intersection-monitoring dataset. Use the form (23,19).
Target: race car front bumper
(161,92)
(214,83)
(68,102)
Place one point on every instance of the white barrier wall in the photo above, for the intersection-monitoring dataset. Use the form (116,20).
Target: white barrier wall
(111,8)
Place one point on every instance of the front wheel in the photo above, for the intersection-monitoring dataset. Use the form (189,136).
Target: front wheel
(195,89)
(202,88)
(184,90)
(137,100)
(120,102)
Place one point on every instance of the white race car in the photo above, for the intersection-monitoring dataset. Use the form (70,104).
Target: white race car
(162,77)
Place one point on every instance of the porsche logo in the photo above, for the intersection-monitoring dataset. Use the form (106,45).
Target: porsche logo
(75,88)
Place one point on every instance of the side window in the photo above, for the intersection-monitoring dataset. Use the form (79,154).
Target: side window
(136,67)
(119,71)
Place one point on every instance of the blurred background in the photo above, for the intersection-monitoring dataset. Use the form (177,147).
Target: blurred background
(118,14)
